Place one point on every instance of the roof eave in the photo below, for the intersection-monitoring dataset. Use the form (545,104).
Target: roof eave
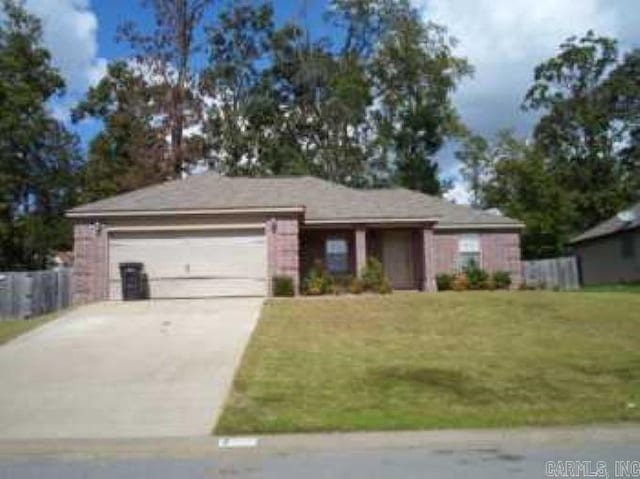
(583,239)
(492,226)
(368,220)
(181,212)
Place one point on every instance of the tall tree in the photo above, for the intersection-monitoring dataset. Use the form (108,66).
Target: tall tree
(578,132)
(521,185)
(363,22)
(169,52)
(242,120)
(124,154)
(414,72)
(475,163)
(284,103)
(38,156)
(373,107)
(621,91)
(326,100)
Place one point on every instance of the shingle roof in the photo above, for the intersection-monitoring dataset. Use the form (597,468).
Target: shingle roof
(321,200)
(611,226)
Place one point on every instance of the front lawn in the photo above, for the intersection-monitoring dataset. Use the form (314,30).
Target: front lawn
(413,361)
(613,288)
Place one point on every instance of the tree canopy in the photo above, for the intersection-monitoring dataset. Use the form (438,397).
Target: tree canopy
(39,158)
(372,107)
(229,88)
(582,165)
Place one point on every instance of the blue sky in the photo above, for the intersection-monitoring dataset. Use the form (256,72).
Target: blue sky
(503,39)
(112,12)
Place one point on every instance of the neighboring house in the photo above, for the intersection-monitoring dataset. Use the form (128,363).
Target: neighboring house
(209,235)
(610,251)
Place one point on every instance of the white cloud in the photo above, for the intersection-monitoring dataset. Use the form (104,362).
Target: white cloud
(70,33)
(458,194)
(505,39)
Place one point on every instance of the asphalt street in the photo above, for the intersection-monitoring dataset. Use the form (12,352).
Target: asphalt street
(527,453)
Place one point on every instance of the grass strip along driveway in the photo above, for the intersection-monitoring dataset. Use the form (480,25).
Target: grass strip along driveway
(413,361)
(13,328)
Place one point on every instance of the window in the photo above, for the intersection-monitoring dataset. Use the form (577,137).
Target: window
(337,255)
(627,246)
(468,250)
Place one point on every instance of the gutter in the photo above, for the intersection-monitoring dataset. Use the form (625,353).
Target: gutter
(194,212)
(467,226)
(370,220)
(580,239)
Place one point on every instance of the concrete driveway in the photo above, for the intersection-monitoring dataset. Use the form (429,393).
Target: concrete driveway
(138,369)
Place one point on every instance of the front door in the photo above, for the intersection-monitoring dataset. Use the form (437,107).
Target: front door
(397,258)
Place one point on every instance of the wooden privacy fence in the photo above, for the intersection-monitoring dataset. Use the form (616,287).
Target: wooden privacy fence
(32,293)
(554,273)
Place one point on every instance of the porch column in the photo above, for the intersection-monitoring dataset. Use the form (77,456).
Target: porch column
(428,264)
(361,250)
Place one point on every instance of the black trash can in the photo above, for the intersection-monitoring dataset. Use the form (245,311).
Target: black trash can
(132,281)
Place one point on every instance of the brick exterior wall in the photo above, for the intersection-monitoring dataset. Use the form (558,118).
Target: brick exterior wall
(428,258)
(283,249)
(91,276)
(502,252)
(90,268)
(499,251)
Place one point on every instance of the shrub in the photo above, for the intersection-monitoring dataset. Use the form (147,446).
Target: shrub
(373,277)
(355,286)
(444,281)
(385,287)
(318,281)
(476,276)
(283,286)
(501,279)
(460,282)
(341,284)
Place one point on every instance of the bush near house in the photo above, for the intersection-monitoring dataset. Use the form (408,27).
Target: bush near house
(460,282)
(356,286)
(473,277)
(444,281)
(318,281)
(501,279)
(476,276)
(373,279)
(339,284)
(346,284)
(283,286)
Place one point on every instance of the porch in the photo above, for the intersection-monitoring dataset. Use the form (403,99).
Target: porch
(404,251)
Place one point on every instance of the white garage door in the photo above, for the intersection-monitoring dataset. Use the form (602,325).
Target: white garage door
(193,264)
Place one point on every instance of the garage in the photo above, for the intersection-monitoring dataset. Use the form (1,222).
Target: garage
(192,264)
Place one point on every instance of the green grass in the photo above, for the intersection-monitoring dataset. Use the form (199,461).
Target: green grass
(613,288)
(447,360)
(14,328)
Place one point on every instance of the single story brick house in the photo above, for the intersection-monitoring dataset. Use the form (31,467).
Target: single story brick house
(610,251)
(209,235)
